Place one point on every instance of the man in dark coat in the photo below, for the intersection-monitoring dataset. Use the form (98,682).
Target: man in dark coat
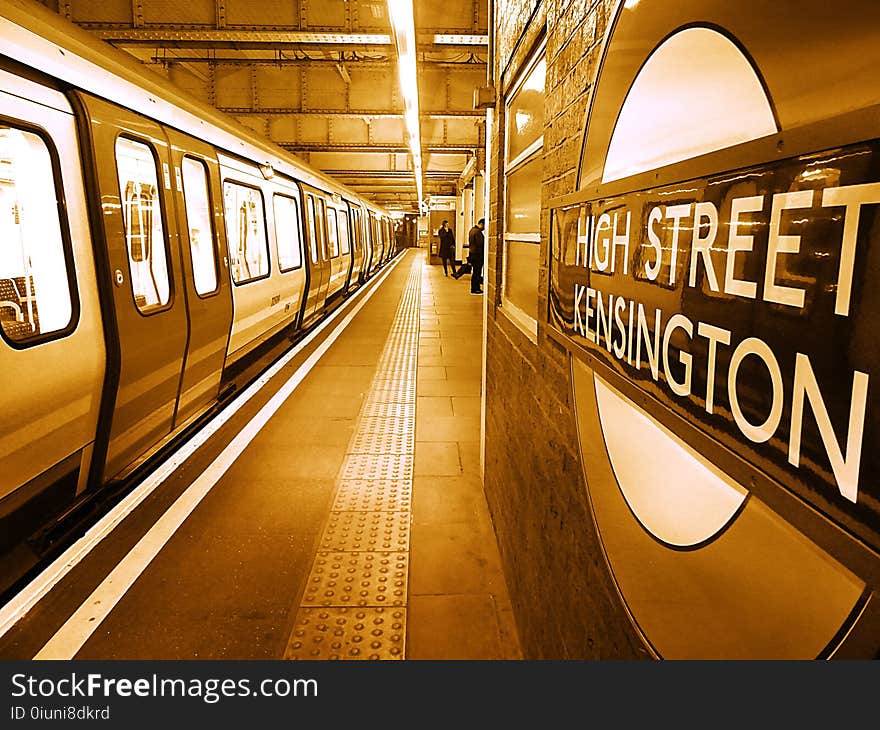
(447,247)
(476,245)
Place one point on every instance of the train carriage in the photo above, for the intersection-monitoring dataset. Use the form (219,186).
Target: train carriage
(153,254)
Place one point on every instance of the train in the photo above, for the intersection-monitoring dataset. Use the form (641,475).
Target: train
(154,255)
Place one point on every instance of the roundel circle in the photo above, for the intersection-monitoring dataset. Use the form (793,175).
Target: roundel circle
(707,155)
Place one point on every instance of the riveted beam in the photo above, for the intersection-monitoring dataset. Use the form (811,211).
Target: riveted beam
(364,114)
(278,60)
(389,148)
(137,13)
(183,37)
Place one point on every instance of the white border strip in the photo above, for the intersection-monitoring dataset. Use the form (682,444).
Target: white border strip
(25,600)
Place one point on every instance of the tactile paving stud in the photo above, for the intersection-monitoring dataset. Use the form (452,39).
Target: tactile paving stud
(389,467)
(388,410)
(374,443)
(394,392)
(372,495)
(386,426)
(357,579)
(366,531)
(348,634)
(398,369)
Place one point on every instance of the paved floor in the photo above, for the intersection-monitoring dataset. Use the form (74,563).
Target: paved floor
(458,602)
(412,547)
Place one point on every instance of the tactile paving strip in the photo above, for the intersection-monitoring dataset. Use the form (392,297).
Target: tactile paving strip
(395,467)
(373,495)
(393,411)
(355,597)
(393,391)
(386,426)
(366,531)
(357,579)
(391,443)
(348,633)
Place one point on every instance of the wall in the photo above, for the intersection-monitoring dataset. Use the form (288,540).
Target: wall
(565,604)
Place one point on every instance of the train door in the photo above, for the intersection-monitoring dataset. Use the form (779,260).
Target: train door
(141,284)
(319,269)
(357,249)
(376,257)
(339,249)
(389,240)
(51,342)
(198,201)
(346,244)
(365,239)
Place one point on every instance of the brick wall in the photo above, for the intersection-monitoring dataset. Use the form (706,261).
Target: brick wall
(564,601)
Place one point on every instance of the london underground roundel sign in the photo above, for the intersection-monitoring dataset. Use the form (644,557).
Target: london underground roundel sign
(717,280)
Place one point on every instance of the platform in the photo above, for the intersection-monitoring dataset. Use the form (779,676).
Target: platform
(337,514)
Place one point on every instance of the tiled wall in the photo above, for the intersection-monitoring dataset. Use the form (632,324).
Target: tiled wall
(565,603)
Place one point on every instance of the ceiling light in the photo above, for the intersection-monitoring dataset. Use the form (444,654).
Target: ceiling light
(403,24)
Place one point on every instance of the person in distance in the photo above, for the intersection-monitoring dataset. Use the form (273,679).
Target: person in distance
(447,247)
(476,244)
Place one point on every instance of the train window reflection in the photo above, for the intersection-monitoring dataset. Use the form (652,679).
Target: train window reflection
(343,232)
(246,232)
(322,237)
(34,287)
(332,236)
(356,221)
(287,232)
(142,220)
(198,220)
(313,237)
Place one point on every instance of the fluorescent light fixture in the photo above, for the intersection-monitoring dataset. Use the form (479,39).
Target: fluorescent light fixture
(403,23)
(451,39)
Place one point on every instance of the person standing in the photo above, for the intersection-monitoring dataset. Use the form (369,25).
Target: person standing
(476,246)
(447,247)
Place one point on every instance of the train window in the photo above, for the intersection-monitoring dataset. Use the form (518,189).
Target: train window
(332,236)
(35,298)
(356,229)
(198,220)
(246,232)
(322,236)
(313,237)
(343,232)
(524,168)
(142,220)
(287,232)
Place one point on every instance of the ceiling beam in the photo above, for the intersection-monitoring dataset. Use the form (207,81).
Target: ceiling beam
(226,38)
(474,62)
(347,113)
(407,174)
(392,148)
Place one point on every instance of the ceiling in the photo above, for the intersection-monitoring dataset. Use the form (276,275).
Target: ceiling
(319,78)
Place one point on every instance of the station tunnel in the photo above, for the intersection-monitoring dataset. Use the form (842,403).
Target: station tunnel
(367,329)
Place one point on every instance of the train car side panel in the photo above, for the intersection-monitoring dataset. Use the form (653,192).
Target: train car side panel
(48,310)
(265,298)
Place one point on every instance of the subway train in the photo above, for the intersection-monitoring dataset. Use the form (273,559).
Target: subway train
(153,256)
